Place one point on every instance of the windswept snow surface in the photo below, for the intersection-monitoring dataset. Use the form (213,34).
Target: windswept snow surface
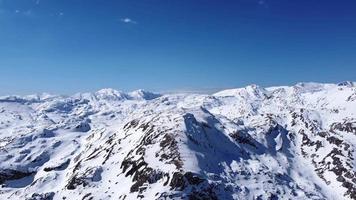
(294,142)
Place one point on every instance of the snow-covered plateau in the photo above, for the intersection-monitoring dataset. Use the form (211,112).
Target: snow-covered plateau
(287,142)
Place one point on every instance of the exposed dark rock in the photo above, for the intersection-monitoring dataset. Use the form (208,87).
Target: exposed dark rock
(242,138)
(44,196)
(334,140)
(74,181)
(346,126)
(83,127)
(180,181)
(60,167)
(88,176)
(131,124)
(9,174)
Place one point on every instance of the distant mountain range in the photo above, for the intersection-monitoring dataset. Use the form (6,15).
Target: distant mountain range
(287,142)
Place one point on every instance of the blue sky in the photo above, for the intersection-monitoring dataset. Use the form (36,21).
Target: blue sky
(67,46)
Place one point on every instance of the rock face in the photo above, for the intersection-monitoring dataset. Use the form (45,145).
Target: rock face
(293,142)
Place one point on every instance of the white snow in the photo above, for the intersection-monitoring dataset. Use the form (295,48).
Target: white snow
(246,143)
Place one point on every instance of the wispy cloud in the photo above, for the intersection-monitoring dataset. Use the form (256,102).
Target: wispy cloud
(263,3)
(27,13)
(128,21)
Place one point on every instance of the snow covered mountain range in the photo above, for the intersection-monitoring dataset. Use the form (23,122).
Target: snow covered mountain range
(294,142)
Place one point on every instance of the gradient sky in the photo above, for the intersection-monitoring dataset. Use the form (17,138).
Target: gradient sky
(67,46)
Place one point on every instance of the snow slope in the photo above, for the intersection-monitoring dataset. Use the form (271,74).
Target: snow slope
(294,142)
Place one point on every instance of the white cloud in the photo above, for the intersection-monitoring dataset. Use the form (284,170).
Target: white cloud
(27,12)
(263,3)
(128,20)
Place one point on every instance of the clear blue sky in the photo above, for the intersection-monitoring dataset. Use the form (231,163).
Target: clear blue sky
(66,46)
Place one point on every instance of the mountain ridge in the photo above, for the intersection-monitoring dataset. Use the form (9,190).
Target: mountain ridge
(287,142)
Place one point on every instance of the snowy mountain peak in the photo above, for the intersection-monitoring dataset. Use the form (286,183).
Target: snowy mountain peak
(114,95)
(288,142)
(347,83)
(311,87)
(249,92)
(28,98)
(110,94)
(143,95)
